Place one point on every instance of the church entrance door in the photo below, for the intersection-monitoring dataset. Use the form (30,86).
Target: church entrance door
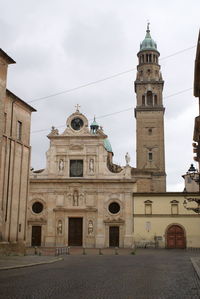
(36,235)
(114,236)
(75,233)
(175,237)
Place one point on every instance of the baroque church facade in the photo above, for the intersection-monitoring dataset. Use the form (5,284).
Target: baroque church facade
(83,199)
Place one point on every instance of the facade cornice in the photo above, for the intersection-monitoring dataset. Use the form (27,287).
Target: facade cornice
(165,194)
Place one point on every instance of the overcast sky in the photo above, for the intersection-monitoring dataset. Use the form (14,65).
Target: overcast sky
(60,45)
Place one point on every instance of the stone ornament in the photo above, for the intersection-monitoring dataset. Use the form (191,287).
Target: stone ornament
(75,198)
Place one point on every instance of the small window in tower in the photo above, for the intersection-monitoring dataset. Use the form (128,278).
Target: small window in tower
(142,58)
(150,156)
(143,100)
(150,131)
(147,58)
(149,98)
(155,100)
(5,121)
(19,130)
(150,58)
(154,58)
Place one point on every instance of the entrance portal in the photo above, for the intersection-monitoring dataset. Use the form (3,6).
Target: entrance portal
(75,232)
(36,236)
(114,236)
(175,237)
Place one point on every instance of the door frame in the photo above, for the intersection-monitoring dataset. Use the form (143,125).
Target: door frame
(167,228)
(37,225)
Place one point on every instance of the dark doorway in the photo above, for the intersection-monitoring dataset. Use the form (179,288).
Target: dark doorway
(75,232)
(36,236)
(175,237)
(114,236)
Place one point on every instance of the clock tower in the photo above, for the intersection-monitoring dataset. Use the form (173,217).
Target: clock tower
(149,113)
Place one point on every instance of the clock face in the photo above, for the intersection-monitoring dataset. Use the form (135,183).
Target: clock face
(77,123)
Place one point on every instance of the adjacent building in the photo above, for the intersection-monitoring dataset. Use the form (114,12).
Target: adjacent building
(15,121)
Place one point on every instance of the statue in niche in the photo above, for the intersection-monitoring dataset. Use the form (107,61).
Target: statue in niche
(75,198)
(127,158)
(61,165)
(90,227)
(59,227)
(91,165)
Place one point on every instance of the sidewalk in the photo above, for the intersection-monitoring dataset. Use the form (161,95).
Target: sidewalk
(196,264)
(14,262)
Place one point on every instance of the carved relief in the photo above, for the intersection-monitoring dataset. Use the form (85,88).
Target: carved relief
(75,198)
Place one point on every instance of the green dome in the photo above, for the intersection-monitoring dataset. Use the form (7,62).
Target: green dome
(107,145)
(94,123)
(148,43)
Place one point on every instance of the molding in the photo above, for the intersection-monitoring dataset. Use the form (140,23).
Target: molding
(75,209)
(167,215)
(165,194)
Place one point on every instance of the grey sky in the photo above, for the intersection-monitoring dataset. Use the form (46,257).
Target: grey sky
(61,44)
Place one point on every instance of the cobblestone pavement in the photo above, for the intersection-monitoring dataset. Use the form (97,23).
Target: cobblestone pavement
(150,274)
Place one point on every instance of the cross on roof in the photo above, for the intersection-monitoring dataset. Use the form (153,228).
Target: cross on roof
(77,106)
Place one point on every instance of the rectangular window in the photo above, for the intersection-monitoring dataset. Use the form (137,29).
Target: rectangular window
(174,209)
(76,168)
(148,209)
(19,130)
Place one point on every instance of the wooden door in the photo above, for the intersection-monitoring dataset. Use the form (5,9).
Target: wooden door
(75,232)
(36,235)
(114,236)
(175,237)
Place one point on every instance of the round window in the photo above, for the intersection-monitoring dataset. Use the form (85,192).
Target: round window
(114,208)
(37,207)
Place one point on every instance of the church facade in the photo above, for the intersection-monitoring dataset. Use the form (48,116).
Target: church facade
(82,199)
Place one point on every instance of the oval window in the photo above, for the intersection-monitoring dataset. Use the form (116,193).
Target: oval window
(114,208)
(37,207)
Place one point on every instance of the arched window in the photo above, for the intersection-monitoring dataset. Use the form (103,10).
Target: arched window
(143,100)
(150,156)
(149,98)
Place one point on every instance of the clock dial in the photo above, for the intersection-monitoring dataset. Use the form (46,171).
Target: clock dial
(77,123)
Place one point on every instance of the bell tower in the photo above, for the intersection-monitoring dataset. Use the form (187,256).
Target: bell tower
(149,113)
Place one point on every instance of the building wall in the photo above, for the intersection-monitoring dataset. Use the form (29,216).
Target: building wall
(14,163)
(147,227)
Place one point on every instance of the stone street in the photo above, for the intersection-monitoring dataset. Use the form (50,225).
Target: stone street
(147,274)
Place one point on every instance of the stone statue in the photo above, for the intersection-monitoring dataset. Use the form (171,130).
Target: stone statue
(59,227)
(127,158)
(61,165)
(91,165)
(75,198)
(54,131)
(90,227)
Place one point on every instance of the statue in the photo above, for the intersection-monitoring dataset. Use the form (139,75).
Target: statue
(90,227)
(75,198)
(127,158)
(59,227)
(91,165)
(61,165)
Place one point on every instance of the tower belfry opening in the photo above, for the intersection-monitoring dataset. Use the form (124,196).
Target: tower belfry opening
(149,112)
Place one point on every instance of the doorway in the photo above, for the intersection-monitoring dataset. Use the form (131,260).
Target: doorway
(114,236)
(176,237)
(36,235)
(75,232)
